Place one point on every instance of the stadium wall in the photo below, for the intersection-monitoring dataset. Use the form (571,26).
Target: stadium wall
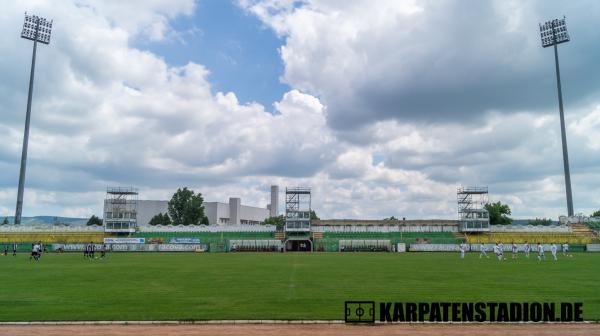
(135,247)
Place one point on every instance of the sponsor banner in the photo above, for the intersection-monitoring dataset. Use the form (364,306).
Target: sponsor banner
(119,247)
(593,247)
(181,247)
(74,247)
(433,247)
(508,247)
(135,247)
(68,247)
(124,240)
(184,241)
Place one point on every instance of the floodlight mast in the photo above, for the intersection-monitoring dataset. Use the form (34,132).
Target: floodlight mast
(553,33)
(37,29)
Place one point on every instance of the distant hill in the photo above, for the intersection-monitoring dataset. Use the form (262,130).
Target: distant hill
(49,220)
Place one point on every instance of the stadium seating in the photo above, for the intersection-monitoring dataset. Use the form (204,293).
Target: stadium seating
(397,237)
(531,228)
(330,241)
(50,228)
(255,245)
(384,228)
(205,237)
(207,229)
(583,230)
(367,245)
(52,237)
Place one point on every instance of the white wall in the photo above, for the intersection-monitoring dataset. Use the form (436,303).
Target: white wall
(216,210)
(249,213)
(146,209)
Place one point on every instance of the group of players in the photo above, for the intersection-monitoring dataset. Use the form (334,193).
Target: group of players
(36,251)
(89,251)
(38,248)
(15,246)
(499,250)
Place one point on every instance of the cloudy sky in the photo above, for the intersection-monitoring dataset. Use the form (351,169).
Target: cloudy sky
(382,107)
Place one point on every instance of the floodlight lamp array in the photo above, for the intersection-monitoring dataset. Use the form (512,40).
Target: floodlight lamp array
(36,28)
(554,32)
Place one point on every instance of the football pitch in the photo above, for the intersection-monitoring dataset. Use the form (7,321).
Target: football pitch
(290,286)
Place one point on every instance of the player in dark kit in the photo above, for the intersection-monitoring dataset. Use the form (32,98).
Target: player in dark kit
(92,250)
(85,251)
(5,249)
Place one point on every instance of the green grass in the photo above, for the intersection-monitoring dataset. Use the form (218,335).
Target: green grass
(170,286)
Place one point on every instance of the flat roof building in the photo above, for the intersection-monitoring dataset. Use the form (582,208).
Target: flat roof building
(218,213)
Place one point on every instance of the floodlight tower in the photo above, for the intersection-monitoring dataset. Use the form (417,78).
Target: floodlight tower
(37,29)
(553,33)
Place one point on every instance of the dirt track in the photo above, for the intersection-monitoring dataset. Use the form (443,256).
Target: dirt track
(308,330)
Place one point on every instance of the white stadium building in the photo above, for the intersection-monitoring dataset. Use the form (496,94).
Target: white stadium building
(133,212)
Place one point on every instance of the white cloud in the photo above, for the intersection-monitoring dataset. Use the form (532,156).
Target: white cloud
(587,127)
(108,113)
(149,18)
(434,61)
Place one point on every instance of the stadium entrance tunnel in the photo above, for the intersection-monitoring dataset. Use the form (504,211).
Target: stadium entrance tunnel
(298,245)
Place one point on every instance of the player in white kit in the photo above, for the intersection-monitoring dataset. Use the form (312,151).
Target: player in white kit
(463,248)
(527,249)
(501,249)
(565,249)
(482,251)
(515,250)
(35,252)
(540,250)
(498,252)
(553,250)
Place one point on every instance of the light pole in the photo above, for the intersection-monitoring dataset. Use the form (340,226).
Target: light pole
(36,29)
(553,33)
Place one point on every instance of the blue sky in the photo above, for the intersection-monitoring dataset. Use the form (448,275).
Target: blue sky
(240,52)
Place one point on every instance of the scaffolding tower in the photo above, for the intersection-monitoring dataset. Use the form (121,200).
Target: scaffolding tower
(120,210)
(472,215)
(297,209)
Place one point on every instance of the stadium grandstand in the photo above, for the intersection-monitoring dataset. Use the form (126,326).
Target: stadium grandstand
(575,233)
(324,235)
(354,235)
(25,235)
(299,231)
